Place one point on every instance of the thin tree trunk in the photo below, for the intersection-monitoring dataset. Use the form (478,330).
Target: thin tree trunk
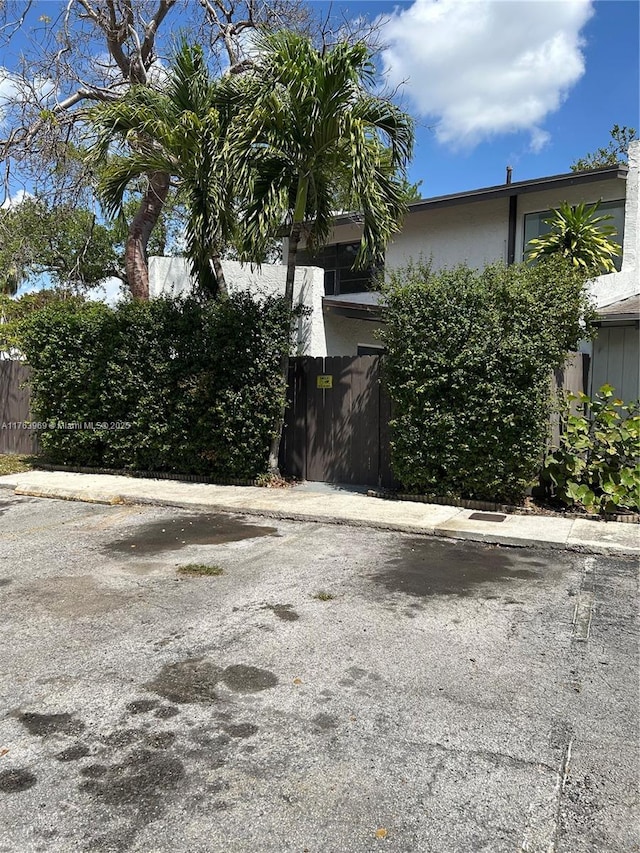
(292,256)
(135,258)
(219,271)
(274,450)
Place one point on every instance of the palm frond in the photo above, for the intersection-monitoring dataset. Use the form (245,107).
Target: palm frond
(578,234)
(312,116)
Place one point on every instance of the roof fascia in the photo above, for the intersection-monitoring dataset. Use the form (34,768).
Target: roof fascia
(554,182)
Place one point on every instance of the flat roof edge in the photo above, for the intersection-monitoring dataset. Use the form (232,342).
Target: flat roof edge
(505,190)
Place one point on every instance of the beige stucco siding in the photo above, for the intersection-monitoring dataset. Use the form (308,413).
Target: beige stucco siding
(170,277)
(343,334)
(472,233)
(475,232)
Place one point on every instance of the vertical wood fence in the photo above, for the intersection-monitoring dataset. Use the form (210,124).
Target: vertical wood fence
(573,376)
(14,409)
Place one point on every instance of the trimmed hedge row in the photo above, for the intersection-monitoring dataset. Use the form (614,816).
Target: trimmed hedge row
(470,355)
(165,385)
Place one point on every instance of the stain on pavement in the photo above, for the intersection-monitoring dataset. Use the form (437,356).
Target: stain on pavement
(51,724)
(73,596)
(326,722)
(426,568)
(137,787)
(285,612)
(241,730)
(15,780)
(74,752)
(171,534)
(195,680)
(191,680)
(248,679)
(142,706)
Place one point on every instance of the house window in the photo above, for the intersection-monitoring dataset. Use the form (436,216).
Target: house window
(371,349)
(337,262)
(535,226)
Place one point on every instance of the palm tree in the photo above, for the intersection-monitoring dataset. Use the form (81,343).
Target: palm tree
(580,236)
(308,131)
(178,132)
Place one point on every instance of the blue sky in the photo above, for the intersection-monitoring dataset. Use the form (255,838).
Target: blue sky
(562,114)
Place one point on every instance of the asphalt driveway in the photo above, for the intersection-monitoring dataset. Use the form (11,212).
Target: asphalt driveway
(334,689)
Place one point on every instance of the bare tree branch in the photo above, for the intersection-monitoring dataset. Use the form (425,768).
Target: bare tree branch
(150,30)
(86,51)
(10,28)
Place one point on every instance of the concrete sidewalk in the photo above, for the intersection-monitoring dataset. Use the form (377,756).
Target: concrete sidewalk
(337,506)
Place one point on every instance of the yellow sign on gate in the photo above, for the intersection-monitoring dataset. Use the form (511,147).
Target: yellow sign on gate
(324,381)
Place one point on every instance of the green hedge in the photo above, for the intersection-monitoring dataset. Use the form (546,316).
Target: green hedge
(198,385)
(470,355)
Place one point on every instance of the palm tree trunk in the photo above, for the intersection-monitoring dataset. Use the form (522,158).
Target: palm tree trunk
(135,258)
(274,450)
(220,276)
(292,254)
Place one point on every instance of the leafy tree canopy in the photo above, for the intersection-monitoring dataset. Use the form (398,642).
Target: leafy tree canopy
(64,243)
(83,52)
(614,154)
(180,132)
(310,134)
(13,311)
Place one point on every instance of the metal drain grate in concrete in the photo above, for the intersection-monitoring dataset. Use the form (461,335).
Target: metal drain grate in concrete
(486,516)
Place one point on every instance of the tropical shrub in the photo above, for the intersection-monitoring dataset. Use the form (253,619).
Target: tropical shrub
(597,463)
(470,355)
(579,235)
(159,386)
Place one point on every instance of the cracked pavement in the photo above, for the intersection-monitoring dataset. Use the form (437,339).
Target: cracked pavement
(334,689)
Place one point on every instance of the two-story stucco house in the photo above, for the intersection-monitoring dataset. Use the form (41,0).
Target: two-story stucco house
(489,224)
(476,227)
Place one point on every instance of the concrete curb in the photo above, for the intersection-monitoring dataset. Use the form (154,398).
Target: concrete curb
(284,515)
(524,531)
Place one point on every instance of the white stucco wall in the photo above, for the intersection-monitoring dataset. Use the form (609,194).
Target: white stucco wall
(611,288)
(473,232)
(170,277)
(476,232)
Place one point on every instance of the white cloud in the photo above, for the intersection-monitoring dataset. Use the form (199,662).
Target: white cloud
(8,91)
(15,199)
(539,139)
(484,67)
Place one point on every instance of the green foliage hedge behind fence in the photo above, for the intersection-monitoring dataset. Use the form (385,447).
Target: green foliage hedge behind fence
(168,385)
(470,355)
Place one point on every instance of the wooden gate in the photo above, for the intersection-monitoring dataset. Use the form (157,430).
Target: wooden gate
(337,426)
